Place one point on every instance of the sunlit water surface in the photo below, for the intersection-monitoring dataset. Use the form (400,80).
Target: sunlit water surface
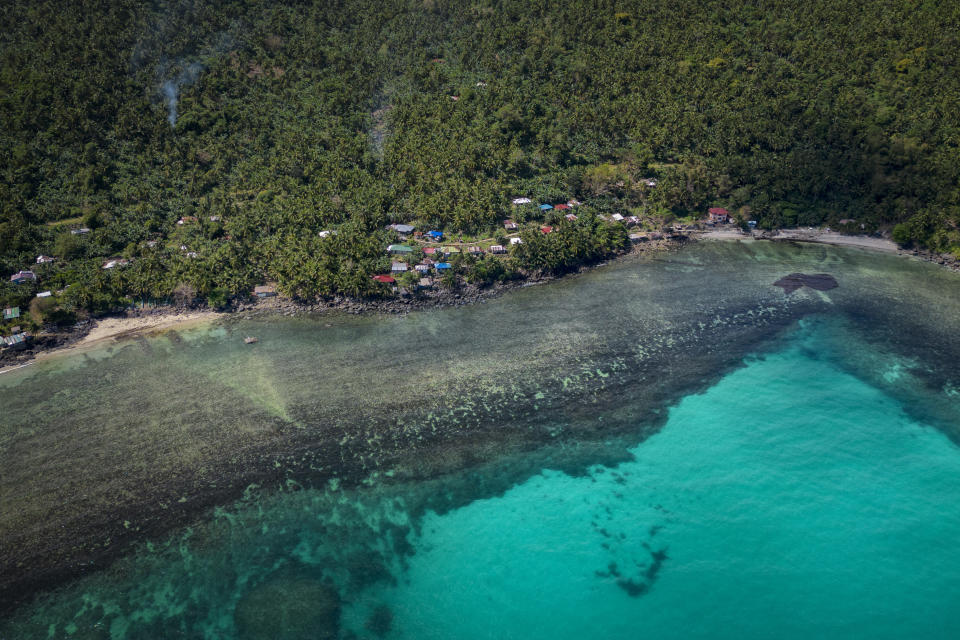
(811,492)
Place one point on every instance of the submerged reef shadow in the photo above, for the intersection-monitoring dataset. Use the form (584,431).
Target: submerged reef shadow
(816,281)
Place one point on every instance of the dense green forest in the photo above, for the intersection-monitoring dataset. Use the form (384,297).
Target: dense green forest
(271,121)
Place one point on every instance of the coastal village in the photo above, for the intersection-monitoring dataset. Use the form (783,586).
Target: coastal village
(421,260)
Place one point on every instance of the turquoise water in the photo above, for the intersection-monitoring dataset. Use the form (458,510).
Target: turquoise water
(590,459)
(791,500)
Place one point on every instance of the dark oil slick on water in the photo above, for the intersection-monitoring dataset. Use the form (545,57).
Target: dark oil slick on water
(300,470)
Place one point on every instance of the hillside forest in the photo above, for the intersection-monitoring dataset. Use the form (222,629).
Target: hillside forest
(264,123)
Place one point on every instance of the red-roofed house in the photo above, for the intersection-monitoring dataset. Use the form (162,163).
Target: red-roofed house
(561,207)
(718,214)
(546,229)
(384,279)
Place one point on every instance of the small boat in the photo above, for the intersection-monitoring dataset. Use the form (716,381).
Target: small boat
(249,340)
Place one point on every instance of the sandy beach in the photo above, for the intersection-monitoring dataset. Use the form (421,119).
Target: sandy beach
(107,329)
(116,328)
(809,235)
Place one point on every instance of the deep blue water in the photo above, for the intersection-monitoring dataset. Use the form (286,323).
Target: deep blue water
(489,472)
(791,500)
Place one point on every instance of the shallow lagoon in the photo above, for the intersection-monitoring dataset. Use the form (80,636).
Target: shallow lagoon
(311,430)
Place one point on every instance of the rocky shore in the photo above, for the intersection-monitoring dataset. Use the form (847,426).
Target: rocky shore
(136,321)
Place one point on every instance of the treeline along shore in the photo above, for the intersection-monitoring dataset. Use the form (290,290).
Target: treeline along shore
(417,291)
(177,151)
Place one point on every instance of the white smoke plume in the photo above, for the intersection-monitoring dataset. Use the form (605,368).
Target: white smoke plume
(171,89)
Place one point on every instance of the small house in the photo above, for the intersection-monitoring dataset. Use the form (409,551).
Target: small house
(44,259)
(11,313)
(384,279)
(400,248)
(632,221)
(429,251)
(422,268)
(23,276)
(516,241)
(650,182)
(264,291)
(16,340)
(403,229)
(44,294)
(561,207)
(474,250)
(186,220)
(546,207)
(214,218)
(718,214)
(572,217)
(518,201)
(449,251)
(546,229)
(497,248)
(115,262)
(425,283)
(436,235)
(398,267)
(510,225)
(418,235)
(617,217)
(638,237)
(442,266)
(574,203)
(752,224)
(80,232)
(327,233)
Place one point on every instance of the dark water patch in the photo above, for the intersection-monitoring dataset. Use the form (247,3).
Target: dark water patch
(637,587)
(817,282)
(380,621)
(289,607)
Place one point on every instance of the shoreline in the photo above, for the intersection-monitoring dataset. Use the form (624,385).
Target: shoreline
(835,238)
(812,236)
(116,327)
(97,331)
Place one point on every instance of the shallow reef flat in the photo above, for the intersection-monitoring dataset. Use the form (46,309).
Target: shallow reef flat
(128,443)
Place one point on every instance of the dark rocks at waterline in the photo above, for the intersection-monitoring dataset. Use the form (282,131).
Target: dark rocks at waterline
(289,609)
(816,281)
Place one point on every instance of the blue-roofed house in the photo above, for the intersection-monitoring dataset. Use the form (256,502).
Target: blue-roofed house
(442,266)
(545,207)
(436,235)
(23,276)
(17,339)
